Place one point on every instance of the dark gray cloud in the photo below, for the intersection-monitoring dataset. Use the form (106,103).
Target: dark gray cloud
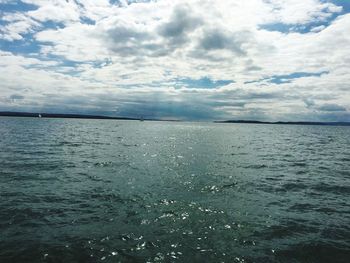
(253,68)
(122,34)
(180,24)
(331,107)
(249,96)
(309,103)
(166,109)
(328,107)
(187,105)
(159,105)
(127,40)
(218,39)
(16,97)
(215,39)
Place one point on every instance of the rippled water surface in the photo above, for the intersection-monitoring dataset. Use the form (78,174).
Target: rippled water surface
(129,191)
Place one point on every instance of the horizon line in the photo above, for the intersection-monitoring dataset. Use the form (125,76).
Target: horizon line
(141,118)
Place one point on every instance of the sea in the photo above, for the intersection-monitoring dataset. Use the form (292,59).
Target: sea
(78,190)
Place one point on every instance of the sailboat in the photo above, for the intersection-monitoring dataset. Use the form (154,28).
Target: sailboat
(39,115)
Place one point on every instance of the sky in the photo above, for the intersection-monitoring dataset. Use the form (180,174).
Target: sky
(268,60)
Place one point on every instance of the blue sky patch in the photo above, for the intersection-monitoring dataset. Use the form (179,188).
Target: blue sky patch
(202,83)
(281,79)
(344,3)
(14,6)
(306,28)
(22,47)
(302,29)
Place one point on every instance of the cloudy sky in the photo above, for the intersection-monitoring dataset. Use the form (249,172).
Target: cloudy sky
(193,59)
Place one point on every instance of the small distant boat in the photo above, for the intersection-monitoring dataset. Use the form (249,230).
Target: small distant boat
(39,116)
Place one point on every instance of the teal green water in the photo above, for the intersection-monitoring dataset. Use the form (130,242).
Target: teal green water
(127,191)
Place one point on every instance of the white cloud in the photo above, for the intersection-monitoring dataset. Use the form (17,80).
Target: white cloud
(133,53)
(18,25)
(302,12)
(62,11)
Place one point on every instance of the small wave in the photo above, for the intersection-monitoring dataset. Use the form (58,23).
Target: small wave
(293,187)
(255,166)
(327,210)
(111,164)
(313,252)
(112,197)
(71,144)
(103,164)
(298,164)
(129,145)
(301,207)
(231,185)
(288,229)
(336,189)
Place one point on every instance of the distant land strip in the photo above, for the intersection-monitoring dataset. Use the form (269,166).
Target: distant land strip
(70,116)
(287,122)
(88,116)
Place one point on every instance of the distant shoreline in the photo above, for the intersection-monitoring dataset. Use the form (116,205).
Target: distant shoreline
(100,117)
(287,122)
(71,116)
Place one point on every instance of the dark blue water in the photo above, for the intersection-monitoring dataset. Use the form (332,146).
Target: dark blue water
(128,191)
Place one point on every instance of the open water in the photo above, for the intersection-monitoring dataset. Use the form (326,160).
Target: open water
(128,191)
